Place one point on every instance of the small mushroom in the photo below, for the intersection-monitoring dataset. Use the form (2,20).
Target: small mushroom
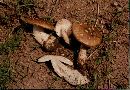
(59,64)
(46,40)
(63,29)
(86,34)
(38,22)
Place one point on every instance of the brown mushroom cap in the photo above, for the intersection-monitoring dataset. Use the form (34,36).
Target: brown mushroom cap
(38,22)
(86,34)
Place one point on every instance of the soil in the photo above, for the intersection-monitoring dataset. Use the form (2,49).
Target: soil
(106,69)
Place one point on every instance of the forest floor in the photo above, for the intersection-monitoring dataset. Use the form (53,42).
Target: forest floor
(19,50)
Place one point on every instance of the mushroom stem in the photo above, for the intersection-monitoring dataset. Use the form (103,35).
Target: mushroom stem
(63,29)
(65,37)
(82,55)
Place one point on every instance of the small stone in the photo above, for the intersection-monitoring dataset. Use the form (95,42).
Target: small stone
(115,3)
(119,9)
(62,54)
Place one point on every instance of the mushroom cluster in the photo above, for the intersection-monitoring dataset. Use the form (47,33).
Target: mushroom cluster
(88,35)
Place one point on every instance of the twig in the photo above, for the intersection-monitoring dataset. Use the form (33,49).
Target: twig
(97,14)
(4,5)
(99,47)
(91,54)
(53,5)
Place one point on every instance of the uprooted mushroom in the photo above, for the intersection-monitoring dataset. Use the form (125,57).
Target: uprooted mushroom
(62,29)
(88,35)
(48,41)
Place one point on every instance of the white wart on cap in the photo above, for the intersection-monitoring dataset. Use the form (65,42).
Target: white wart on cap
(86,34)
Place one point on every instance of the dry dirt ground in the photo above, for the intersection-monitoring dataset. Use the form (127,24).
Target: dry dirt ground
(108,69)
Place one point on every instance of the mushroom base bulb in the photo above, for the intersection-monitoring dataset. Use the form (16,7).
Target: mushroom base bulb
(82,56)
(49,42)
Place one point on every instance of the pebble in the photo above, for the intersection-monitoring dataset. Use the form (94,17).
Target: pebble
(62,54)
(119,9)
(115,3)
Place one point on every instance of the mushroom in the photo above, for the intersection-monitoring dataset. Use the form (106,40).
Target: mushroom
(63,29)
(89,36)
(86,34)
(59,64)
(49,42)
